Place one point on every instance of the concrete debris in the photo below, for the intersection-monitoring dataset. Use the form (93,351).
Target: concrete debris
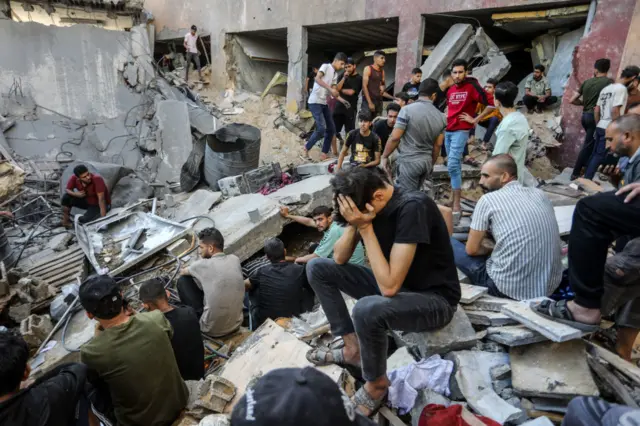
(199,203)
(501,385)
(554,370)
(60,268)
(456,335)
(19,312)
(130,189)
(215,420)
(211,394)
(552,330)
(543,49)
(424,398)
(500,372)
(11,180)
(60,242)
(471,293)
(174,138)
(561,67)
(35,328)
(497,67)
(400,358)
(315,169)
(446,51)
(248,182)
(316,190)
(488,318)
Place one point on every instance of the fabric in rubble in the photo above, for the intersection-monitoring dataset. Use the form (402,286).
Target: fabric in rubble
(439,415)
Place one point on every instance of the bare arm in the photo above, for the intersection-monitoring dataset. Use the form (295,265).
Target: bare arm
(528,92)
(488,109)
(596,113)
(575,99)
(307,258)
(383,86)
(321,82)
(346,245)
(437,147)
(373,163)
(447,214)
(247,284)
(365,84)
(306,85)
(393,142)
(306,221)
(616,111)
(341,82)
(474,245)
(343,153)
(103,204)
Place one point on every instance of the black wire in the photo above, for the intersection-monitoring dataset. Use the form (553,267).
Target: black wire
(31,236)
(199,217)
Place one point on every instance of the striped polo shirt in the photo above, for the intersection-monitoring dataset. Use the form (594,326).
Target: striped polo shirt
(526,260)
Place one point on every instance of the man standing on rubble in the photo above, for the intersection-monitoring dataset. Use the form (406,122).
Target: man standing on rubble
(191,48)
(213,286)
(85,191)
(374,86)
(538,91)
(349,86)
(413,284)
(462,102)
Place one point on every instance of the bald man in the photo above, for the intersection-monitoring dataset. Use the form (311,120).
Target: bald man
(526,260)
(599,220)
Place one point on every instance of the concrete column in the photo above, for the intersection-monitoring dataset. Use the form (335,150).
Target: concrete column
(297,48)
(631,54)
(410,44)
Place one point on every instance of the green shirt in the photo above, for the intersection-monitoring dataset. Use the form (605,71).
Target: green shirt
(331,236)
(136,361)
(590,91)
(537,87)
(512,136)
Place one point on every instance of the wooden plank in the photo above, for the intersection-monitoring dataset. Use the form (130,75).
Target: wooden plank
(391,417)
(552,330)
(624,366)
(471,293)
(619,390)
(57,271)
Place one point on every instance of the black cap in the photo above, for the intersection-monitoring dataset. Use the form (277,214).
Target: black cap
(100,296)
(294,397)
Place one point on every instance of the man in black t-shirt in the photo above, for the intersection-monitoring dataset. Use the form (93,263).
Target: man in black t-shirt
(187,340)
(413,284)
(383,128)
(280,289)
(349,86)
(365,145)
(413,86)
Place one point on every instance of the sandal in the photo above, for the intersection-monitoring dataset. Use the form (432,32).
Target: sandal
(318,356)
(558,312)
(362,398)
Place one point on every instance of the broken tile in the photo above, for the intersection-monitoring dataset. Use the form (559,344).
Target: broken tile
(471,293)
(555,370)
(491,303)
(458,334)
(554,331)
(489,318)
(500,372)
(514,335)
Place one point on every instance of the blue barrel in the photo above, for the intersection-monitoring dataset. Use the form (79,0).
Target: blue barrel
(231,151)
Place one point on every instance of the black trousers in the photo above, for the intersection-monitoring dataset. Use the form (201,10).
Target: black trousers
(589,126)
(373,314)
(598,221)
(531,102)
(92,212)
(190,294)
(348,121)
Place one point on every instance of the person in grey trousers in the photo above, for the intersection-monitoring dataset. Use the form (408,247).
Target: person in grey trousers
(592,411)
(190,46)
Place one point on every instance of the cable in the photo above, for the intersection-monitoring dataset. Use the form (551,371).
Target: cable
(31,236)
(66,324)
(198,217)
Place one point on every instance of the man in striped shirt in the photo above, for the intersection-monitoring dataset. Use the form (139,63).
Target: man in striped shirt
(526,260)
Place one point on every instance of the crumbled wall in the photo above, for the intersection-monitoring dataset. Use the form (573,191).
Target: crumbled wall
(252,75)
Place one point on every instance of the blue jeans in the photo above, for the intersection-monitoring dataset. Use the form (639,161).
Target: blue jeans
(598,155)
(455,142)
(324,127)
(474,267)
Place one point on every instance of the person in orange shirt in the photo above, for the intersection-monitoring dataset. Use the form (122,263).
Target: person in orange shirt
(492,120)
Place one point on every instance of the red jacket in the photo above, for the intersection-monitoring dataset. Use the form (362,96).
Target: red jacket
(464,97)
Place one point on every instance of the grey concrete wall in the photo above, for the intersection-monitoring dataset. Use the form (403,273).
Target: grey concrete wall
(73,70)
(252,75)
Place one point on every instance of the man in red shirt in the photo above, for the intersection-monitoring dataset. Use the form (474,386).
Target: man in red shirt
(462,101)
(88,192)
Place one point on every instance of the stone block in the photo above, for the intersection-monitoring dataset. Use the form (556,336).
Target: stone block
(500,372)
(233,186)
(471,293)
(315,169)
(35,328)
(497,67)
(514,335)
(457,335)
(60,242)
(400,358)
(552,330)
(500,385)
(130,189)
(446,51)
(174,139)
(199,203)
(317,189)
(424,398)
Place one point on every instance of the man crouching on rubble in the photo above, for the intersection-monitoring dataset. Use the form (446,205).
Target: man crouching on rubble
(88,192)
(412,286)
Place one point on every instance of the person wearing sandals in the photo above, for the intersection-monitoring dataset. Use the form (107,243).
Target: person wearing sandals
(412,284)
(526,260)
(605,286)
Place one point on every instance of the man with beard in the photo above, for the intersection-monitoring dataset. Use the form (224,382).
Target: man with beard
(526,260)
(538,91)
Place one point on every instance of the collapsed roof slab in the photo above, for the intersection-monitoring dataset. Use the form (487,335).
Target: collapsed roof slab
(446,51)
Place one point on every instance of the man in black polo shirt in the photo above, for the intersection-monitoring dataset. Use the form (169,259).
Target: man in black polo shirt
(349,86)
(412,286)
(279,289)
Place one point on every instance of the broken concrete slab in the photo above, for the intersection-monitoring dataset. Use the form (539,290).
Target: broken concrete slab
(471,293)
(199,203)
(440,172)
(246,183)
(561,67)
(554,370)
(500,372)
(458,334)
(268,348)
(552,330)
(514,335)
(174,139)
(400,358)
(424,398)
(497,67)
(317,188)
(130,189)
(446,51)
(488,318)
(491,303)
(315,169)
(61,241)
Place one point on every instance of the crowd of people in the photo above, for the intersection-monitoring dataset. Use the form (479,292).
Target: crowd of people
(133,371)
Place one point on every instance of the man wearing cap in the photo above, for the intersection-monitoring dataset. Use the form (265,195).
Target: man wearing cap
(132,357)
(190,46)
(295,397)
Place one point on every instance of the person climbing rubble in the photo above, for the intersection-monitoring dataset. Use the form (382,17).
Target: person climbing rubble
(412,286)
(86,191)
(191,50)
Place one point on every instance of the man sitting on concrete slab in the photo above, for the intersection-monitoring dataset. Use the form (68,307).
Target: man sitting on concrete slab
(412,286)
(187,339)
(526,261)
(88,192)
(132,357)
(280,289)
(538,91)
(604,286)
(56,398)
(322,220)
(213,286)
(364,144)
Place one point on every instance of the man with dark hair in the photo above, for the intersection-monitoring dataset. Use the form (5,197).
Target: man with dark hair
(280,289)
(418,137)
(462,103)
(526,261)
(322,220)
(512,135)
(56,398)
(383,128)
(634,91)
(402,99)
(587,96)
(412,87)
(326,78)
(490,121)
(374,86)
(538,91)
(349,86)
(191,48)
(187,339)
(364,144)
(413,284)
(132,356)
(611,105)
(85,191)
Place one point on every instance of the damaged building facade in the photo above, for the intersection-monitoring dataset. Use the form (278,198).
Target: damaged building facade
(293,35)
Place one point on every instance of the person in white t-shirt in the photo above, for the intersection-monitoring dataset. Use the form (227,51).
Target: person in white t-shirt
(325,78)
(611,105)
(190,40)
